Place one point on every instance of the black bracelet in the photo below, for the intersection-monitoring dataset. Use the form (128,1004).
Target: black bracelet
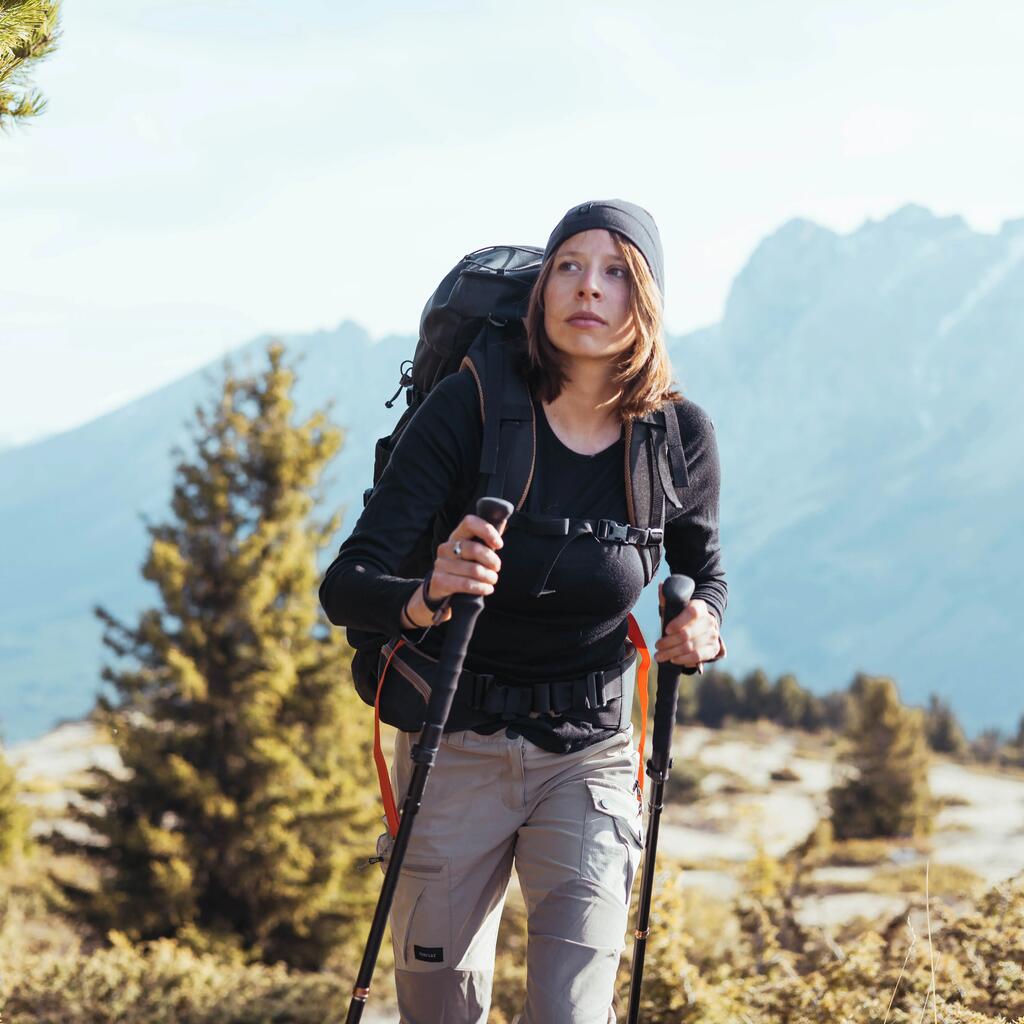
(432,605)
(438,607)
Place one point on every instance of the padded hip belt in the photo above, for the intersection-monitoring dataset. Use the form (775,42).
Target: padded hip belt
(480,696)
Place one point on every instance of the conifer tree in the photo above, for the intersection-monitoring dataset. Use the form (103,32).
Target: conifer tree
(887,793)
(815,713)
(942,728)
(756,691)
(835,709)
(718,697)
(247,793)
(788,702)
(28,32)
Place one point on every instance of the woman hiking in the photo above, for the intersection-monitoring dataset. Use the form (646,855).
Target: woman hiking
(546,778)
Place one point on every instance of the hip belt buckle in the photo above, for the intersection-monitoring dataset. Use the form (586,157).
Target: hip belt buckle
(482,682)
(589,692)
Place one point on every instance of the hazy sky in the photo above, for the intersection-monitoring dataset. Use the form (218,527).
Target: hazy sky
(206,172)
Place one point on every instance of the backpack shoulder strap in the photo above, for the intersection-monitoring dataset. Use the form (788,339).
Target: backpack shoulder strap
(671,457)
(655,471)
(508,448)
(645,495)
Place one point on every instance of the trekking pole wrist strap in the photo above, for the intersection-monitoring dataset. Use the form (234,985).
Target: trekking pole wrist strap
(438,606)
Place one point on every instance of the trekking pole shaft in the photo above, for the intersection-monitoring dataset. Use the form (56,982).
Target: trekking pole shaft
(677,591)
(410,805)
(466,609)
(646,893)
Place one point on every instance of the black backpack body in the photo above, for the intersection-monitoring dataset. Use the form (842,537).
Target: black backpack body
(474,323)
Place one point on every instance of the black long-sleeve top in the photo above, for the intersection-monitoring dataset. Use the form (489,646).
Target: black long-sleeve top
(579,622)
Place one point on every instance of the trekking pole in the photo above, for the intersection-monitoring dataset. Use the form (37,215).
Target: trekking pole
(465,610)
(677,591)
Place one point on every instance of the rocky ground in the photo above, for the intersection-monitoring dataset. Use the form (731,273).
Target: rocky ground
(738,810)
(740,807)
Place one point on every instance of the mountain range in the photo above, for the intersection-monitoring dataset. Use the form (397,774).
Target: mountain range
(863,388)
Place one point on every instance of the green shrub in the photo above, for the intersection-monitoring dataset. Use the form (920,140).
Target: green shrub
(769,970)
(161,982)
(14,816)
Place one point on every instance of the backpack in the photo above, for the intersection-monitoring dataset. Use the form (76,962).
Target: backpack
(473,323)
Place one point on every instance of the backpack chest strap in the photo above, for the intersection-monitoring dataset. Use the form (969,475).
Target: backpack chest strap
(606,530)
(600,529)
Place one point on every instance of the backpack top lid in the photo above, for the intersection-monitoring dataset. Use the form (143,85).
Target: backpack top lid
(473,322)
(489,284)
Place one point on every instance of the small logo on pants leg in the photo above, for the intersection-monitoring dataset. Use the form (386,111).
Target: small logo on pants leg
(431,954)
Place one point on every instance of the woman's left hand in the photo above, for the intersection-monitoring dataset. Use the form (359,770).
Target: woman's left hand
(691,637)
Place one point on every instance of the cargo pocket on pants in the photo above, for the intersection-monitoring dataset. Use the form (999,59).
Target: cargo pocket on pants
(612,837)
(421,918)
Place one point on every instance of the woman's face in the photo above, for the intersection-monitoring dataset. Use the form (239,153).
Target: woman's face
(586,297)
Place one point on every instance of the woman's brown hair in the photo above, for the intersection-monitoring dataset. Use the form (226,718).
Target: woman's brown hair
(644,371)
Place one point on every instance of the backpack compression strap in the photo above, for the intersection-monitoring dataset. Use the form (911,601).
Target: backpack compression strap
(508,447)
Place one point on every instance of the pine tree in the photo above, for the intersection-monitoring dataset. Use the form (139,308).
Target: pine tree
(14,817)
(28,32)
(756,693)
(718,698)
(815,713)
(888,793)
(247,792)
(836,709)
(942,728)
(787,702)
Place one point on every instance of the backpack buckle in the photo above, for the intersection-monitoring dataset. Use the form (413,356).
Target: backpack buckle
(482,682)
(608,529)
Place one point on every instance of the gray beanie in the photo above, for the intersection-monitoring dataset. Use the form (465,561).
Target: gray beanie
(628,219)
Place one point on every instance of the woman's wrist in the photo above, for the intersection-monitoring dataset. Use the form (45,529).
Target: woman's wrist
(415,614)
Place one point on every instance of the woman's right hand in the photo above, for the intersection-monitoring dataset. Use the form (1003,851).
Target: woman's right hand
(475,572)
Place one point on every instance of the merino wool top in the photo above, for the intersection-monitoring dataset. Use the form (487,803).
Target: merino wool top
(578,623)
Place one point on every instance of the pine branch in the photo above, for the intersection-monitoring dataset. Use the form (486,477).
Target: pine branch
(28,34)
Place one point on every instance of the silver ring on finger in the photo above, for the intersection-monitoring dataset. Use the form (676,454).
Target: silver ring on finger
(457,549)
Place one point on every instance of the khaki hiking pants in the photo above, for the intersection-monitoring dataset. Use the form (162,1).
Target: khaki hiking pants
(571,823)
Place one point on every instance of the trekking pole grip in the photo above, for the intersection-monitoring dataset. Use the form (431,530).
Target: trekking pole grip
(494,510)
(465,610)
(677,591)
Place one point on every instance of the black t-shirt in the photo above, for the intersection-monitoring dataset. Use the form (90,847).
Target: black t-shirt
(559,608)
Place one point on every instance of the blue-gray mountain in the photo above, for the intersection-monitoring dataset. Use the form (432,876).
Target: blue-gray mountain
(864,392)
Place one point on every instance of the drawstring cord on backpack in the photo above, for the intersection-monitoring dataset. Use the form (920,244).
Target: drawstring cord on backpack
(579,531)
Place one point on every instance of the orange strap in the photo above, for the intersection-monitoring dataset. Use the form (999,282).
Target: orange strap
(387,794)
(641,684)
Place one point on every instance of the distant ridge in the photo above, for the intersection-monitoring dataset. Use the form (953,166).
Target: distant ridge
(864,392)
